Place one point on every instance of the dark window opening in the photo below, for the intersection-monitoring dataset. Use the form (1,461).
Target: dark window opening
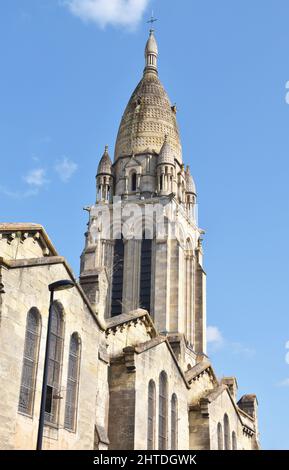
(145,275)
(117,278)
(49,397)
(133,182)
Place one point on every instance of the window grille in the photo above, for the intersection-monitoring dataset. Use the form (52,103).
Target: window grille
(227,437)
(220,437)
(151,415)
(72,383)
(163,411)
(174,422)
(30,362)
(234,441)
(55,365)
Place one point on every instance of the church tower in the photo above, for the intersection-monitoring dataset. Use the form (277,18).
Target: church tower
(143,246)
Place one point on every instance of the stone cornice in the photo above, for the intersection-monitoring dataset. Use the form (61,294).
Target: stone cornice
(10,231)
(36,262)
(133,318)
(199,369)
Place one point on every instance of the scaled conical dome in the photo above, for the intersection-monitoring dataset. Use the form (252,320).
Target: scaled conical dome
(149,115)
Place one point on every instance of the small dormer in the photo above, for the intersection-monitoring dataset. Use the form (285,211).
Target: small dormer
(132,174)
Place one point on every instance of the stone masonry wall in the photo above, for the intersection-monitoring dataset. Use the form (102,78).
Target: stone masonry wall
(25,288)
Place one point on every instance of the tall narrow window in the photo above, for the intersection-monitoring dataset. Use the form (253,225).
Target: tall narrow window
(220,437)
(55,365)
(151,415)
(133,181)
(174,422)
(145,274)
(30,362)
(227,434)
(117,278)
(72,383)
(234,441)
(163,411)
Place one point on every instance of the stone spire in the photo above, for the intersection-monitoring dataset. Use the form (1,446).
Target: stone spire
(104,166)
(166,154)
(151,54)
(149,114)
(104,178)
(190,184)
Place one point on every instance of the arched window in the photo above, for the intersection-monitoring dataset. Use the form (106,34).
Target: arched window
(30,362)
(151,415)
(161,182)
(220,437)
(145,274)
(55,364)
(133,181)
(163,411)
(234,441)
(72,383)
(174,422)
(227,434)
(117,278)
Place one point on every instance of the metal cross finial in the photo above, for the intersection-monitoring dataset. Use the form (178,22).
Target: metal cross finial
(152,19)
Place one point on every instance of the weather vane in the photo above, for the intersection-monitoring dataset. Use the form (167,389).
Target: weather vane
(152,19)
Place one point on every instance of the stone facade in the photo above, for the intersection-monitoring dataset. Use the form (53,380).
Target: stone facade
(143,379)
(24,280)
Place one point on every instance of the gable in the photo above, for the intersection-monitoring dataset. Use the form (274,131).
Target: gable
(24,241)
(128,330)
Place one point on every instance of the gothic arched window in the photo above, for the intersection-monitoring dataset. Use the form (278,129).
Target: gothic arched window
(151,415)
(227,434)
(234,441)
(72,383)
(30,362)
(220,437)
(174,422)
(163,411)
(145,274)
(55,364)
(117,278)
(133,181)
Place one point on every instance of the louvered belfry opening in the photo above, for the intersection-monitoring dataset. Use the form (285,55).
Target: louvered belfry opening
(145,274)
(117,278)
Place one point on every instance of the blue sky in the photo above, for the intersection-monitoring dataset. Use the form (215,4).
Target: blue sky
(66,76)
